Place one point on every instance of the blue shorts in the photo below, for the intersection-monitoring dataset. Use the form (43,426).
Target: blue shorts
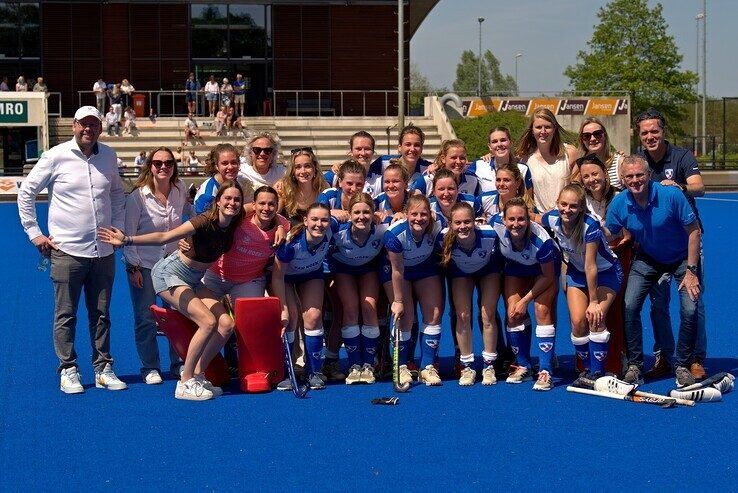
(494,266)
(191,96)
(336,267)
(516,269)
(427,268)
(171,272)
(611,278)
(304,277)
(211,96)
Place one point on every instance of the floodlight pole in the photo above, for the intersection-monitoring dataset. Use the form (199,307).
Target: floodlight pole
(400,65)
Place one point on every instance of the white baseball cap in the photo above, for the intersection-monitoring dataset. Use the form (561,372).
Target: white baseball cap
(85,111)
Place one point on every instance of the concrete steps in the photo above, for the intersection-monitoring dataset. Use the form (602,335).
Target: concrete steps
(328,136)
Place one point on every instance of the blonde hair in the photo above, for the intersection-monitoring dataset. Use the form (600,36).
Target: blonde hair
(415,200)
(290,186)
(274,140)
(450,238)
(446,145)
(146,177)
(577,232)
(528,145)
(581,145)
(523,191)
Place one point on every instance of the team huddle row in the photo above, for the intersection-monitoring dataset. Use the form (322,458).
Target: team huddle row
(387,235)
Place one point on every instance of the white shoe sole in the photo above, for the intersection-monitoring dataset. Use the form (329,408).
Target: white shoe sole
(72,390)
(113,386)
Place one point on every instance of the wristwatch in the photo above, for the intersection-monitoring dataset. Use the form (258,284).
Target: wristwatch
(692,268)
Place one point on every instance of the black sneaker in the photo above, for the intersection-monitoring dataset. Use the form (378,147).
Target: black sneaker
(633,375)
(684,377)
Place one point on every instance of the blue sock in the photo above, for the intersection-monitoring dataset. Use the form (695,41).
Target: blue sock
(546,337)
(369,340)
(431,336)
(519,338)
(598,350)
(314,349)
(581,346)
(352,342)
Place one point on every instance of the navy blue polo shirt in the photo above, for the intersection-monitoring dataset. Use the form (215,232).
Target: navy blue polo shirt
(658,227)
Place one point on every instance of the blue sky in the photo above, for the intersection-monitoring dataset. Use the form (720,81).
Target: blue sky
(549,34)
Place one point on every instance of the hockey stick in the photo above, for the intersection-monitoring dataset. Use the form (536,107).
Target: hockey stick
(299,391)
(396,358)
(681,402)
(663,401)
(613,385)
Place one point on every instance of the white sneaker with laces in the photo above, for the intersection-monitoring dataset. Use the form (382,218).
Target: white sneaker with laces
(70,383)
(106,379)
(152,377)
(544,381)
(207,384)
(354,375)
(488,375)
(192,390)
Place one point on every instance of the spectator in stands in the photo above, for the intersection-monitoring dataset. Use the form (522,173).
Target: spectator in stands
(139,162)
(211,94)
(116,100)
(239,94)
(192,86)
(190,128)
(129,127)
(40,85)
(233,122)
(226,93)
(101,90)
(127,89)
(260,164)
(4,87)
(113,123)
(220,121)
(193,164)
(21,85)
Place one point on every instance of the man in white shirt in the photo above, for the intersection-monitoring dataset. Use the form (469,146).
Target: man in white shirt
(85,193)
(100,88)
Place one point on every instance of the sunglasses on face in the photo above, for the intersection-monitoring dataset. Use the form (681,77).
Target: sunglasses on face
(597,134)
(301,149)
(158,164)
(267,151)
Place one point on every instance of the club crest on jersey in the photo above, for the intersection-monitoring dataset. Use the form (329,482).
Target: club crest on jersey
(545,346)
(351,349)
(669,173)
(432,343)
(482,253)
(525,255)
(375,244)
(600,355)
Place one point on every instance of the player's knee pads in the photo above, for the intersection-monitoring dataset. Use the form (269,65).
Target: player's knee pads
(600,337)
(370,331)
(545,331)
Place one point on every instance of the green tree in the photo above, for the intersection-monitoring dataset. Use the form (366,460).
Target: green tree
(631,51)
(493,81)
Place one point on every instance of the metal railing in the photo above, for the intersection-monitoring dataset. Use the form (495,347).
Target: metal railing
(314,101)
(54,104)
(168,102)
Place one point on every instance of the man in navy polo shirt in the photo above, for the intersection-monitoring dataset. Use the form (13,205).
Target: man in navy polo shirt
(667,232)
(671,166)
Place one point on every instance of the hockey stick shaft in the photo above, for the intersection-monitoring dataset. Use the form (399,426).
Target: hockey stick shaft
(396,356)
(681,402)
(660,400)
(299,392)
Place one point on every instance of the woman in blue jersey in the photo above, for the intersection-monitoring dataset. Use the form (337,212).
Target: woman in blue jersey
(390,204)
(361,150)
(452,157)
(470,257)
(300,260)
(530,274)
(222,164)
(413,269)
(351,179)
(593,275)
(446,194)
(353,261)
(410,147)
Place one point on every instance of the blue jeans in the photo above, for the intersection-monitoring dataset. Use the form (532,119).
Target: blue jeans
(145,328)
(643,280)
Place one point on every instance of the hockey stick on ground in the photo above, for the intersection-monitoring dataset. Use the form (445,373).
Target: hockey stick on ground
(299,391)
(615,386)
(663,401)
(396,358)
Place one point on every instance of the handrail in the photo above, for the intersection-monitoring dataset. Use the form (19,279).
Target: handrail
(170,102)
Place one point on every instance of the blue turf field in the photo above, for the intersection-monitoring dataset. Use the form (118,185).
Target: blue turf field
(472,439)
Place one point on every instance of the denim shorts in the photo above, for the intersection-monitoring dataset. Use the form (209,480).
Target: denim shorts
(171,272)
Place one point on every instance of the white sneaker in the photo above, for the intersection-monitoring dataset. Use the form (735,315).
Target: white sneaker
(192,390)
(405,376)
(488,375)
(354,375)
(70,383)
(367,374)
(544,381)
(468,376)
(207,384)
(106,379)
(430,376)
(152,377)
(614,386)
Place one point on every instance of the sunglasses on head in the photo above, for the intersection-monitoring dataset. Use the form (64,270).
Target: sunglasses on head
(169,163)
(301,149)
(597,134)
(590,158)
(267,151)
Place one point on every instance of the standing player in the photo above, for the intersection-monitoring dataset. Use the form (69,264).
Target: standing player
(301,186)
(530,273)
(593,275)
(470,257)
(452,157)
(390,204)
(361,150)
(410,147)
(351,179)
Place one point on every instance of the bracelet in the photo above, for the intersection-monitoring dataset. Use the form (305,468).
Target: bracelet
(397,301)
(127,240)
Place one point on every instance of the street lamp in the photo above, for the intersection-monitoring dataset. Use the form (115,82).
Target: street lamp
(704,77)
(516,71)
(479,67)
(697,18)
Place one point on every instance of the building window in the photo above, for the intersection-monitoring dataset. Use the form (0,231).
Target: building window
(19,30)
(229,31)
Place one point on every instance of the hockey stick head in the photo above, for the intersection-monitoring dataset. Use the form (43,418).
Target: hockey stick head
(401,388)
(301,391)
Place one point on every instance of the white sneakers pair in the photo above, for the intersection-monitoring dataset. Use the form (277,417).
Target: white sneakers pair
(197,388)
(104,379)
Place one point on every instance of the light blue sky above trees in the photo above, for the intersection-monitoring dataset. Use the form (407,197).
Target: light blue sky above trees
(549,34)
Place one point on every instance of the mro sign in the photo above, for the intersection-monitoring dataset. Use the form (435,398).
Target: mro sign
(13,111)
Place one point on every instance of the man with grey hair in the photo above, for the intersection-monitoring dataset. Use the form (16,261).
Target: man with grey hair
(666,230)
(85,193)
